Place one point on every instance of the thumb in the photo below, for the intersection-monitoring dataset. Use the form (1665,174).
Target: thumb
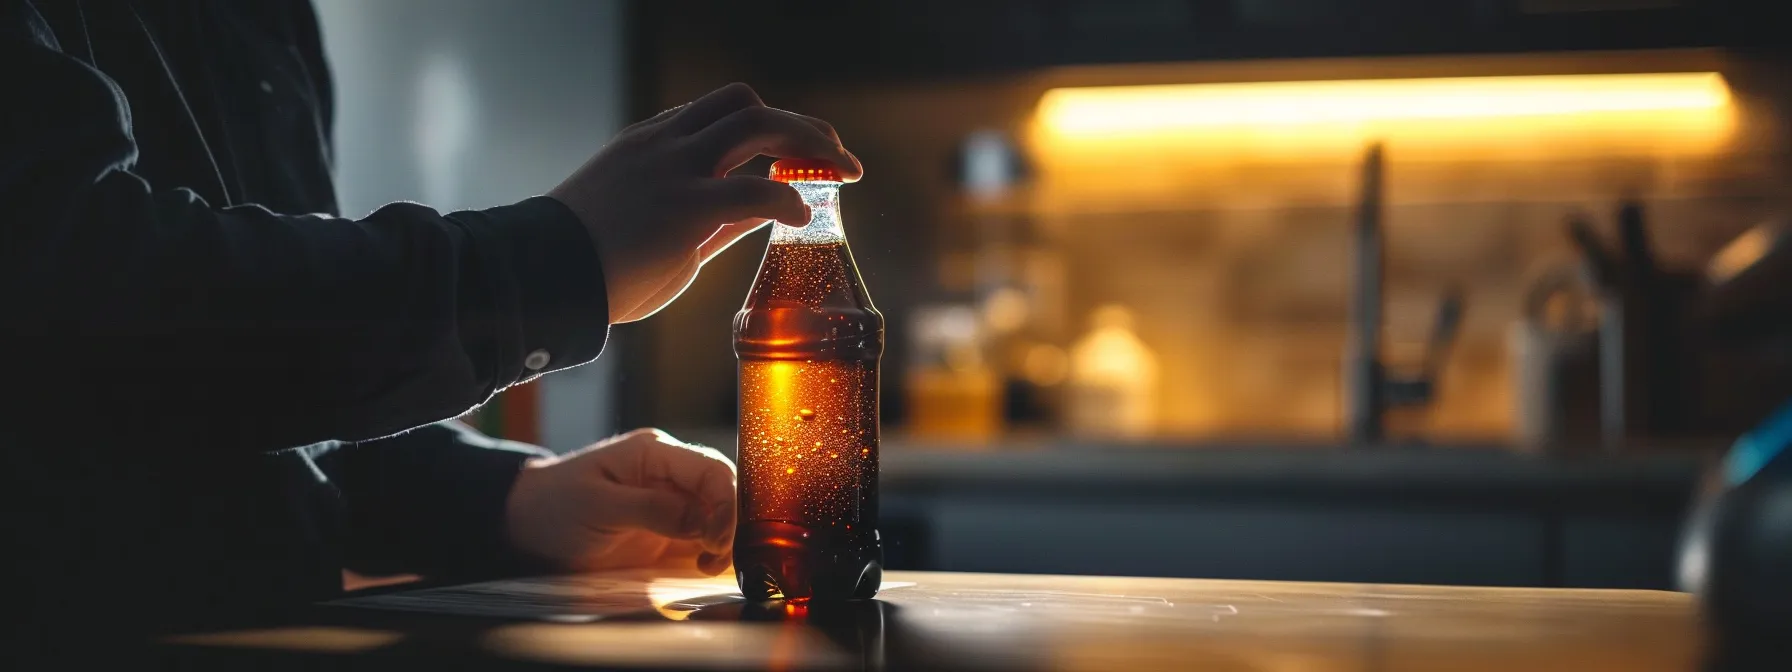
(675,284)
(727,236)
(685,555)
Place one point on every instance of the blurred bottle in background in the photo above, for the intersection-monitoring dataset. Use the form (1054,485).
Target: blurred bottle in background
(1113,379)
(953,395)
(1019,282)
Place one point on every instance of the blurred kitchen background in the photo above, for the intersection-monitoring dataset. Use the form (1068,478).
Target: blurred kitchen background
(1435,291)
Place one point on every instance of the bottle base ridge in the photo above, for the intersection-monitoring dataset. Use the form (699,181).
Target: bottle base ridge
(776,560)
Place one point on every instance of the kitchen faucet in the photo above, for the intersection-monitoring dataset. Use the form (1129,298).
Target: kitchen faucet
(1370,390)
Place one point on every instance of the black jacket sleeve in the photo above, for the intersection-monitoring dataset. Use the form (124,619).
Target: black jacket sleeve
(243,329)
(430,501)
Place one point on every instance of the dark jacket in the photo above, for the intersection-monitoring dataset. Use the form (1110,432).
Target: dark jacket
(210,388)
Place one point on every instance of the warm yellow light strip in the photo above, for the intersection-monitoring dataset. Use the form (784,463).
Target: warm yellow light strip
(1128,110)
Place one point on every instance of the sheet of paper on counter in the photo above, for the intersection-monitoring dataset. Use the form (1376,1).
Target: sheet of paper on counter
(575,598)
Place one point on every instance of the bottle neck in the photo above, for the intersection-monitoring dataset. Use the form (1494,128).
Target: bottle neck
(824,217)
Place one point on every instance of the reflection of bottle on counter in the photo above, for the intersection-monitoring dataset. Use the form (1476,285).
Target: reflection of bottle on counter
(1113,379)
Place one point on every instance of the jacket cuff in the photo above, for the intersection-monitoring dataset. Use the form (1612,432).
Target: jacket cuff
(431,501)
(474,543)
(548,269)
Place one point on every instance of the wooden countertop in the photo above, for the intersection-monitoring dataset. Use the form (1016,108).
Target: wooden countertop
(999,621)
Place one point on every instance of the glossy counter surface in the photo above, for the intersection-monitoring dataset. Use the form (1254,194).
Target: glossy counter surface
(996,621)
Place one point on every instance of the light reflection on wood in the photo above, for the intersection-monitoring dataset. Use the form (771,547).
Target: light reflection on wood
(315,639)
(995,621)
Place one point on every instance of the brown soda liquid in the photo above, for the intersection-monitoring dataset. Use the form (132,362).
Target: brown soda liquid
(809,341)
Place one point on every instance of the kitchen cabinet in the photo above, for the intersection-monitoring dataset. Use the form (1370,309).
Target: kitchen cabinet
(933,38)
(1439,516)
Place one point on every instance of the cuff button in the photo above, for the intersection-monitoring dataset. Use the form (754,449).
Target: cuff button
(536,361)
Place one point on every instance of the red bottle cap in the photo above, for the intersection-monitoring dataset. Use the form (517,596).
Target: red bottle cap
(805,170)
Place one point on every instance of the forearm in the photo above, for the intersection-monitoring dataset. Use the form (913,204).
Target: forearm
(243,329)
